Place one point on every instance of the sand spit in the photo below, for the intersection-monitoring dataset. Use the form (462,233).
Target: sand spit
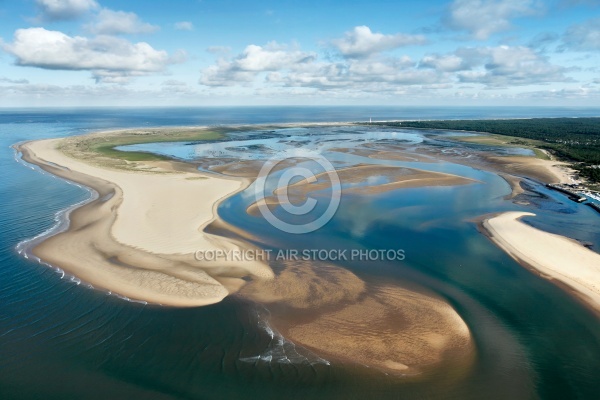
(334,313)
(139,238)
(553,256)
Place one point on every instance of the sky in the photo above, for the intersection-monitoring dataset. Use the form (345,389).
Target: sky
(325,52)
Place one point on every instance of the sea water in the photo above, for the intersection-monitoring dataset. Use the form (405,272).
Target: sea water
(59,339)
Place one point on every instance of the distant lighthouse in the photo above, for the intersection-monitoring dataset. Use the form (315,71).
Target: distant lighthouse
(370,120)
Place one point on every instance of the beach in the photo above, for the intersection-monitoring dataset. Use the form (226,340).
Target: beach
(442,318)
(554,257)
(139,237)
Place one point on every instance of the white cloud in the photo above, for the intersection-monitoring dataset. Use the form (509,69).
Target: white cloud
(582,37)
(110,59)
(359,75)
(109,22)
(483,18)
(361,42)
(505,66)
(55,10)
(501,66)
(293,68)
(184,26)
(254,60)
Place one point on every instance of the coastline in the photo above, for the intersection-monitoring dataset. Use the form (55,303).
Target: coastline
(137,238)
(556,258)
(152,262)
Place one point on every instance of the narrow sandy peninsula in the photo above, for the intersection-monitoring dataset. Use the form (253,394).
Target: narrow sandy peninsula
(553,256)
(138,238)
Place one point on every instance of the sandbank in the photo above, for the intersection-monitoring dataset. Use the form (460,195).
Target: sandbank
(553,256)
(140,236)
(339,316)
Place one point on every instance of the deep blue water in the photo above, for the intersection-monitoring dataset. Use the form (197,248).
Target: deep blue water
(62,340)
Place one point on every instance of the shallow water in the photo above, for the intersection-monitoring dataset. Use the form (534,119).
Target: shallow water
(61,339)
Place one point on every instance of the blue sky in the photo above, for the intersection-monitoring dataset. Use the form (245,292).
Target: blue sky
(230,52)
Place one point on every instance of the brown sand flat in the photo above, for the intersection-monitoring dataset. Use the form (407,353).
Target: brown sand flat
(337,315)
(392,153)
(515,185)
(542,170)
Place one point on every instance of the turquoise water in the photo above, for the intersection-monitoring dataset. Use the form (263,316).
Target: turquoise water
(59,339)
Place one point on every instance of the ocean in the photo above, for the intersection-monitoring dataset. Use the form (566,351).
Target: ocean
(60,339)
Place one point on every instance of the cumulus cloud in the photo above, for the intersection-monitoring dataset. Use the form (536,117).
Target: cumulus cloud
(56,10)
(500,66)
(279,66)
(110,59)
(357,75)
(483,18)
(184,26)
(582,37)
(254,60)
(361,42)
(109,22)
(505,66)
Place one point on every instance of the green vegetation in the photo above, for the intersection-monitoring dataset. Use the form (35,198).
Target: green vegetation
(110,151)
(571,139)
(100,148)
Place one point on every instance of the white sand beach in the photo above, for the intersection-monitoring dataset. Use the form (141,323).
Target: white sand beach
(156,219)
(553,256)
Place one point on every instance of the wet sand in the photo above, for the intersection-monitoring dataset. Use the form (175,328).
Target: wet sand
(358,180)
(139,238)
(553,257)
(391,153)
(334,313)
(545,171)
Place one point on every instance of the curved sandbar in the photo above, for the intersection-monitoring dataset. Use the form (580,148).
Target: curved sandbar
(139,238)
(339,316)
(553,256)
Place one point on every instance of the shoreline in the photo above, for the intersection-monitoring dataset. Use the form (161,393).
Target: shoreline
(169,273)
(559,259)
(132,239)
